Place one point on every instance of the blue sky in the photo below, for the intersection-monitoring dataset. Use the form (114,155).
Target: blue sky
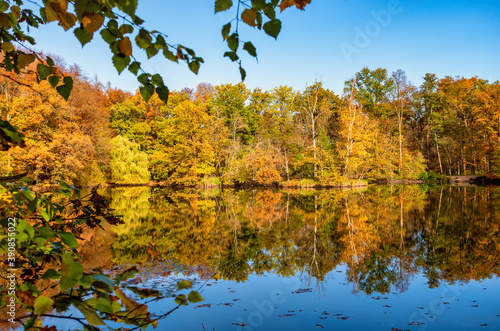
(330,41)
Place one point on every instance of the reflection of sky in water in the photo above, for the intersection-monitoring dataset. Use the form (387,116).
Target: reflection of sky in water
(270,302)
(333,305)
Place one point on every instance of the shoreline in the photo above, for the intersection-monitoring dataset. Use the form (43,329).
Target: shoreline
(455,180)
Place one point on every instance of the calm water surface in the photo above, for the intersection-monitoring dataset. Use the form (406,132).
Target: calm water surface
(382,258)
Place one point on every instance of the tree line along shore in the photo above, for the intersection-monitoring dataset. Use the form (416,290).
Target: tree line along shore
(381,128)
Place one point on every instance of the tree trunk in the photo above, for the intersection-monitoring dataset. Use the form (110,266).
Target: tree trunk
(473,155)
(462,156)
(286,167)
(400,124)
(436,142)
(314,145)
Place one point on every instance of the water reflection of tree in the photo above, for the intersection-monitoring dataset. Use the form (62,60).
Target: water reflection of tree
(384,235)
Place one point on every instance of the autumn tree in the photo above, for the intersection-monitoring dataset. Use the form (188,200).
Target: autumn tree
(63,140)
(316,105)
(428,101)
(278,125)
(183,152)
(355,138)
(402,102)
(129,165)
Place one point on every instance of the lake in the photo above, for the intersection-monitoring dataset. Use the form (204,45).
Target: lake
(410,257)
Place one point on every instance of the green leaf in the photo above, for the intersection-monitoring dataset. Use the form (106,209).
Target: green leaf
(68,238)
(126,28)
(233,42)
(50,274)
(68,81)
(86,280)
(90,315)
(137,20)
(4,5)
(232,55)
(107,36)
(170,56)
(183,284)
(243,73)
(11,132)
(134,67)
(143,79)
(82,35)
(25,227)
(93,318)
(160,42)
(273,28)
(43,305)
(225,30)
(63,91)
(43,71)
(194,297)
(54,80)
(143,39)
(28,194)
(157,80)
(163,93)
(259,20)
(104,305)
(151,51)
(92,302)
(181,300)
(33,205)
(250,48)
(64,186)
(38,241)
(194,66)
(46,214)
(30,323)
(147,91)
(258,4)
(127,6)
(120,62)
(269,11)
(66,284)
(71,269)
(222,5)
(8,47)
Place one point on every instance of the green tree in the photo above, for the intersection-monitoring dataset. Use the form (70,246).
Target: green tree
(128,164)
(372,91)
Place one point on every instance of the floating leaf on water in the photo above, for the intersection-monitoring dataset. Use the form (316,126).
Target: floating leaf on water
(184,284)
